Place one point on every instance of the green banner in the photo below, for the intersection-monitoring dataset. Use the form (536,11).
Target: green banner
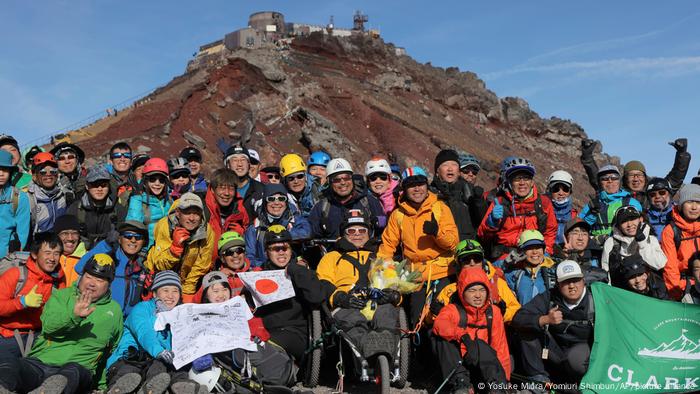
(643,344)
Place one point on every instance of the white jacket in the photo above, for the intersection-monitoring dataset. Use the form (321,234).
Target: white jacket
(649,248)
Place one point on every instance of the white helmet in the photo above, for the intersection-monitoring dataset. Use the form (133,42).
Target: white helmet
(560,176)
(336,166)
(377,165)
(208,378)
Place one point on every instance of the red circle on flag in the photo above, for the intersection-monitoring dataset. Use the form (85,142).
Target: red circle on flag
(266,286)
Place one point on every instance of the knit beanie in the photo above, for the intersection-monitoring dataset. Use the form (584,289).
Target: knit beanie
(66,222)
(446,155)
(689,192)
(166,278)
(635,165)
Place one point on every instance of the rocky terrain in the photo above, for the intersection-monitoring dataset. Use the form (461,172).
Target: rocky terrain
(353,97)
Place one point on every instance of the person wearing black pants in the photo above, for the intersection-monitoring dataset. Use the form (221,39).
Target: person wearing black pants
(25,374)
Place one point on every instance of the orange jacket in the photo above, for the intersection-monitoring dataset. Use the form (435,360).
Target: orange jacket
(418,247)
(523,217)
(14,316)
(677,259)
(446,324)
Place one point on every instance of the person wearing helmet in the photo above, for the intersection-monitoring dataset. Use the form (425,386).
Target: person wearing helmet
(184,241)
(381,184)
(341,196)
(46,198)
(276,209)
(425,229)
(80,326)
(600,211)
(680,239)
(14,209)
(96,209)
(630,236)
(469,167)
(126,246)
(179,173)
(318,161)
(153,202)
(659,195)
(120,155)
(137,164)
(71,174)
(463,198)
(194,160)
(559,188)
(637,277)
(521,207)
(237,158)
(300,185)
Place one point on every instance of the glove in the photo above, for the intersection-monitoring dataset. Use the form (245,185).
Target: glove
(166,356)
(496,214)
(180,236)
(640,236)
(203,363)
(32,299)
(347,301)
(389,296)
(680,144)
(588,146)
(257,329)
(514,257)
(431,227)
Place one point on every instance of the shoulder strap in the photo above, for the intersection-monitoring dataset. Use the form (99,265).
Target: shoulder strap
(489,321)
(23,272)
(362,269)
(518,276)
(15,199)
(146,211)
(462,315)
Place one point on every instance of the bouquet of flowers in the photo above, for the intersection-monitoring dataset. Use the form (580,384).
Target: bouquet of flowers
(387,274)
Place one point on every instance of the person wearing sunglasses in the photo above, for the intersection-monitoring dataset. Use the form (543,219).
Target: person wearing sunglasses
(120,155)
(630,236)
(184,242)
(14,209)
(381,184)
(559,188)
(237,158)
(126,247)
(194,160)
(276,209)
(179,173)
(300,185)
(153,202)
(469,167)
(659,195)
(71,174)
(96,208)
(46,198)
(270,175)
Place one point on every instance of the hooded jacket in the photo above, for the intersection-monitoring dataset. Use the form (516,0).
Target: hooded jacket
(46,206)
(96,222)
(68,338)
(14,222)
(196,259)
(446,324)
(432,256)
(15,316)
(677,258)
(388,198)
(658,219)
(158,208)
(68,264)
(328,226)
(526,281)
(236,219)
(466,206)
(601,216)
(649,249)
(338,270)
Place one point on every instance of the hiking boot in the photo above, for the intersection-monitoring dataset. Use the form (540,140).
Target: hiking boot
(184,388)
(54,384)
(126,384)
(3,390)
(157,384)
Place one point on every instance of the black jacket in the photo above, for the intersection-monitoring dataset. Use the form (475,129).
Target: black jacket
(96,222)
(466,203)
(254,192)
(655,287)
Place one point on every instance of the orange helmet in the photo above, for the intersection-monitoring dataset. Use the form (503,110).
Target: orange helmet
(43,158)
(155,164)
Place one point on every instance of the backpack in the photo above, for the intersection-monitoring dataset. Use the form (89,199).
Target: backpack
(270,364)
(362,269)
(538,212)
(463,323)
(678,235)
(14,200)
(548,277)
(19,260)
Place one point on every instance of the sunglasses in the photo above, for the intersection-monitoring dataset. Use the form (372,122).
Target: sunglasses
(236,250)
(131,236)
(276,198)
(558,186)
(374,177)
(282,248)
(660,193)
(101,184)
(66,157)
(47,171)
(273,176)
(470,258)
(358,231)
(294,177)
(120,155)
(179,176)
(610,178)
(469,171)
(157,178)
(341,179)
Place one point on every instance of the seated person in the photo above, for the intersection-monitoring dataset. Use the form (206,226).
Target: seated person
(80,325)
(471,330)
(630,235)
(639,279)
(556,328)
(581,248)
(692,290)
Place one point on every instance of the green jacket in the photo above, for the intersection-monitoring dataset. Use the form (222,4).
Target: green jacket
(87,341)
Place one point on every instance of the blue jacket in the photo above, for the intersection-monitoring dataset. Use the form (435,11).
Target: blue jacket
(292,219)
(159,209)
(13,221)
(563,214)
(329,226)
(659,219)
(139,333)
(602,221)
(200,184)
(520,280)
(129,276)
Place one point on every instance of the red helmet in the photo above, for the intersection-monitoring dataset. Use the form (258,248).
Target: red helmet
(42,158)
(155,164)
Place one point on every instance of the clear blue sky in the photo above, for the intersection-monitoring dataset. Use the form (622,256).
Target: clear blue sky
(627,71)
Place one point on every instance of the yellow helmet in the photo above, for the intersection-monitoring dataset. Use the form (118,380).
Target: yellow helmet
(291,163)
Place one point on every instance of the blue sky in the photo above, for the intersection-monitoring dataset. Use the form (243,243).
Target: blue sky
(627,71)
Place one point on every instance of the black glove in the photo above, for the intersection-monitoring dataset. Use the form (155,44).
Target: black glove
(680,144)
(431,227)
(588,146)
(594,205)
(347,301)
(640,236)
(389,296)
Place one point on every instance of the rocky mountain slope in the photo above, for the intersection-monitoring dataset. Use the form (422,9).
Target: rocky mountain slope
(353,97)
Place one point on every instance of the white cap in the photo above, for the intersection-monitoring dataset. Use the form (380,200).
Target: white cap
(568,269)
(254,156)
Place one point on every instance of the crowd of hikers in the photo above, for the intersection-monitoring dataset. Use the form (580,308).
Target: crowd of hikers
(90,256)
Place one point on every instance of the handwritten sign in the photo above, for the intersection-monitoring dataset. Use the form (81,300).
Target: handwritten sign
(267,287)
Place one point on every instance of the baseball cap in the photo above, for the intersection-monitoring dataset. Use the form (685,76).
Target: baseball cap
(188,200)
(97,173)
(568,269)
(254,156)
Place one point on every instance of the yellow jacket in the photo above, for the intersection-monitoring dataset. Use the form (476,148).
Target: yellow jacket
(68,264)
(430,255)
(196,259)
(336,268)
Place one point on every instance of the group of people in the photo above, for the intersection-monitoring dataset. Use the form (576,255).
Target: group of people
(91,256)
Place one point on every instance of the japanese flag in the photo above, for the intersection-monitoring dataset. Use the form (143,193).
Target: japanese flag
(267,286)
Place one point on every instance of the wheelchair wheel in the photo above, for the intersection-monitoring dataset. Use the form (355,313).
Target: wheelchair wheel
(404,351)
(382,374)
(313,358)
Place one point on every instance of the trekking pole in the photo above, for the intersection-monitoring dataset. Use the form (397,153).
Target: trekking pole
(449,376)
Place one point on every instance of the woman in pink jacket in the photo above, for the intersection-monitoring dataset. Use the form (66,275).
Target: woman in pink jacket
(378,173)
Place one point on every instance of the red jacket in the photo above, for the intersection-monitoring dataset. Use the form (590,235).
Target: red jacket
(523,217)
(237,221)
(677,259)
(14,316)
(446,324)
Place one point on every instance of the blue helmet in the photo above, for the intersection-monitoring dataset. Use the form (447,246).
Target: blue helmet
(413,175)
(319,158)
